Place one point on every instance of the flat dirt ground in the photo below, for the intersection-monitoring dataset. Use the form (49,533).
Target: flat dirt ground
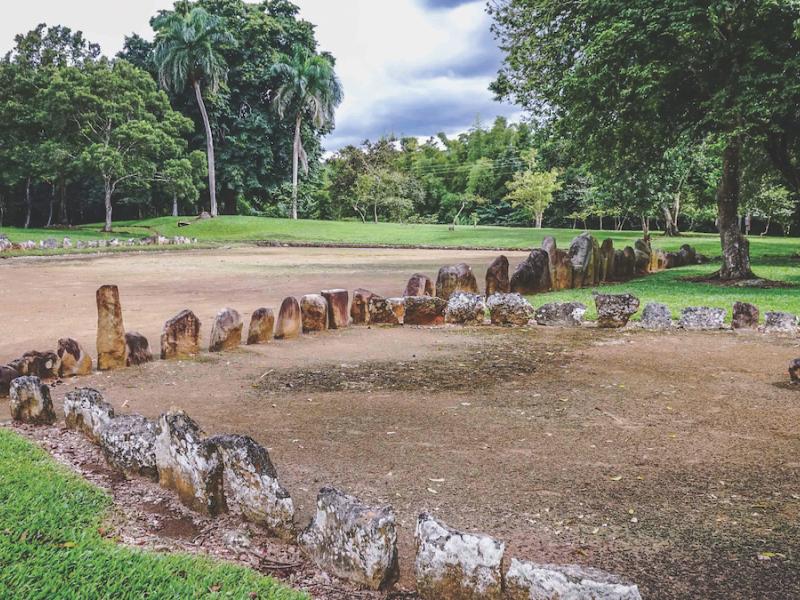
(672,459)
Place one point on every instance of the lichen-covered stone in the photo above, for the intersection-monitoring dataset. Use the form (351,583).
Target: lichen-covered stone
(180,337)
(386,311)
(642,252)
(532,276)
(359,309)
(497,280)
(314,309)
(110,329)
(44,365)
(226,332)
(418,285)
(465,309)
(138,349)
(290,321)
(794,371)
(583,256)
(702,318)
(86,411)
(251,484)
(338,313)
(614,310)
(7,375)
(188,464)
(509,309)
(656,316)
(424,310)
(353,541)
(455,565)
(531,581)
(455,278)
(73,359)
(561,314)
(780,322)
(128,443)
(745,316)
(262,324)
(31,402)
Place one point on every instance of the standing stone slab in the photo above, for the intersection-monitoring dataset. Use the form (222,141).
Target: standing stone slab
(226,332)
(138,349)
(418,285)
(559,263)
(614,310)
(424,310)
(794,371)
(251,484)
(745,316)
(7,375)
(290,321)
(353,541)
(465,309)
(607,257)
(338,304)
(780,322)
(180,337)
(532,276)
(73,359)
(44,365)
(583,256)
(86,411)
(30,401)
(188,464)
(509,309)
(386,311)
(642,252)
(656,316)
(497,281)
(526,581)
(455,565)
(128,443)
(561,314)
(110,329)
(359,309)
(262,324)
(314,309)
(455,278)
(702,318)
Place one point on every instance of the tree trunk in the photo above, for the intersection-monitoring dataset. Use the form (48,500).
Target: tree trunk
(212,176)
(539,217)
(676,209)
(600,218)
(27,203)
(52,205)
(295,166)
(669,223)
(645,227)
(2,209)
(735,247)
(109,190)
(763,233)
(62,212)
(174,204)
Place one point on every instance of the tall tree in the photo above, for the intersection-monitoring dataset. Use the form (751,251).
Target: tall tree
(189,51)
(310,89)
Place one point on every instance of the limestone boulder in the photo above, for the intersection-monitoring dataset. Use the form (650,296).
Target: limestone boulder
(497,281)
(526,580)
(110,329)
(455,278)
(532,276)
(465,309)
(338,305)
(614,310)
(794,371)
(251,484)
(702,318)
(226,332)
(656,316)
(509,309)
(128,443)
(386,311)
(73,359)
(7,375)
(418,285)
(561,314)
(44,365)
(352,540)
(780,322)
(31,402)
(86,411)
(745,316)
(359,309)
(314,309)
(262,324)
(455,565)
(424,310)
(290,320)
(180,337)
(189,464)
(138,349)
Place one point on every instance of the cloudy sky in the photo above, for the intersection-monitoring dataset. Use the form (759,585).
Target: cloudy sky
(409,67)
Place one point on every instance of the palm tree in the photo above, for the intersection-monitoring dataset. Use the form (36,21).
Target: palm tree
(187,51)
(310,89)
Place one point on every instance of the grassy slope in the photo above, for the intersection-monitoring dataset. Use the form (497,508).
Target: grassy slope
(50,546)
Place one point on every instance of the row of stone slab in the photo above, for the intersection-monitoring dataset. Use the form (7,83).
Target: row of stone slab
(346,537)
(7,245)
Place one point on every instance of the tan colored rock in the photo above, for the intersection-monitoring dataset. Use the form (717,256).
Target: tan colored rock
(418,285)
(290,321)
(386,311)
(180,337)
(139,351)
(111,349)
(338,308)
(226,332)
(31,402)
(607,256)
(44,365)
(262,324)
(424,310)
(314,310)
(455,278)
(73,359)
(560,265)
(359,309)
(497,281)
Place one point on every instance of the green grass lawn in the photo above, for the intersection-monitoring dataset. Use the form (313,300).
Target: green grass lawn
(50,547)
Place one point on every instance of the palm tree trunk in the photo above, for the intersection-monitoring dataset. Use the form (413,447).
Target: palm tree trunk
(212,177)
(295,165)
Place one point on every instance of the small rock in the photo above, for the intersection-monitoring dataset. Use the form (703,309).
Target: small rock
(73,359)
(455,278)
(128,443)
(509,309)
(262,324)
(745,316)
(614,310)
(386,311)
(359,310)
(314,309)
(794,370)
(780,322)
(226,332)
(138,348)
(7,375)
(180,337)
(561,314)
(338,314)
(532,276)
(424,310)
(465,309)
(110,329)
(86,411)
(418,285)
(289,323)
(656,316)
(702,318)
(525,580)
(30,401)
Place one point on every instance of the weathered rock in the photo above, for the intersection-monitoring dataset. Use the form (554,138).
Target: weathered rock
(658,261)
(352,540)
(314,309)
(110,329)
(625,264)
(418,285)
(455,278)
(359,310)
(226,332)
(526,581)
(497,281)
(44,365)
(290,320)
(338,315)
(656,316)
(561,314)
(50,244)
(251,484)
(386,311)
(642,251)
(465,309)
(7,375)
(780,322)
(455,565)
(180,337)
(702,318)
(607,256)
(424,310)
(262,324)
(188,464)
(688,255)
(128,443)
(86,411)
(614,310)
(138,349)
(30,401)
(583,256)
(560,264)
(794,371)
(509,309)
(745,316)
(73,359)
(532,276)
